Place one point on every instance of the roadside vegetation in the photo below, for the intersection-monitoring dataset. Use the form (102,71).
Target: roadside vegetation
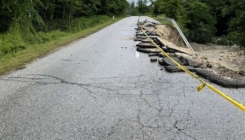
(32,28)
(203,21)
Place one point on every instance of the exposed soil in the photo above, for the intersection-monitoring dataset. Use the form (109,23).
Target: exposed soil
(224,65)
(166,32)
(229,61)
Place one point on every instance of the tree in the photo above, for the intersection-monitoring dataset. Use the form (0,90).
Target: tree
(142,7)
(200,23)
(171,8)
(133,9)
(54,14)
(23,13)
(236,25)
(218,9)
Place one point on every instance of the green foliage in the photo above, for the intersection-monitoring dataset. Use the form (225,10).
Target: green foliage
(40,14)
(13,61)
(83,23)
(113,7)
(12,41)
(42,37)
(18,38)
(142,7)
(222,40)
(200,23)
(237,28)
(220,12)
(201,20)
(172,8)
(38,21)
(132,9)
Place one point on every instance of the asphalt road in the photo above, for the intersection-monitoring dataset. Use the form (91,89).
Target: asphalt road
(100,88)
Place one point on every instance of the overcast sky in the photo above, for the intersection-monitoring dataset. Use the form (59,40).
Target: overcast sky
(132,0)
(137,1)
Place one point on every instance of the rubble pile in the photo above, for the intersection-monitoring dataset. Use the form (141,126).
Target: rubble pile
(168,40)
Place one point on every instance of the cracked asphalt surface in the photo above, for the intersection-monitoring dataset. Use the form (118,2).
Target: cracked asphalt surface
(99,87)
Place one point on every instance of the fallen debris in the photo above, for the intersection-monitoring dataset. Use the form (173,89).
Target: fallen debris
(153,59)
(147,50)
(174,47)
(154,54)
(167,39)
(167,62)
(146,45)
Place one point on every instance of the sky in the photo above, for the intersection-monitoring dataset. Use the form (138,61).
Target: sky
(136,1)
(132,0)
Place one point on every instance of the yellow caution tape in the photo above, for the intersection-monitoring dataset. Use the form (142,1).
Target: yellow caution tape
(236,103)
(203,83)
(199,88)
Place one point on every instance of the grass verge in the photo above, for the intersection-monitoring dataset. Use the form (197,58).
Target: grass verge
(169,23)
(19,59)
(162,21)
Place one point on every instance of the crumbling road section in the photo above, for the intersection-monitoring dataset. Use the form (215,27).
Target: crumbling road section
(168,39)
(100,87)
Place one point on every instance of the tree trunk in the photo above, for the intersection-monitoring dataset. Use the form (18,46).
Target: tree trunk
(70,14)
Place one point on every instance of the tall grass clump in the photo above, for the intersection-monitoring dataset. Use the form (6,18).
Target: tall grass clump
(20,36)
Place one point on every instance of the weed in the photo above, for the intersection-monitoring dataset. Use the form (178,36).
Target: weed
(222,67)
(241,71)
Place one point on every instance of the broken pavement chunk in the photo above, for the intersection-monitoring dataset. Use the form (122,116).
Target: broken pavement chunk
(146,41)
(153,59)
(173,69)
(147,50)
(209,65)
(137,39)
(167,62)
(154,54)
(141,37)
(145,45)
(174,47)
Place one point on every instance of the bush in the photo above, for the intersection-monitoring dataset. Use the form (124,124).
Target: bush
(222,40)
(86,22)
(18,38)
(202,34)
(238,37)
(11,41)
(200,24)
(49,36)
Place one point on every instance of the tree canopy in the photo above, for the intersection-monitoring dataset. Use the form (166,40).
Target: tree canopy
(204,19)
(41,14)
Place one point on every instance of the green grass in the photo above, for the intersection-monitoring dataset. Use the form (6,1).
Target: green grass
(18,53)
(162,21)
(169,23)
